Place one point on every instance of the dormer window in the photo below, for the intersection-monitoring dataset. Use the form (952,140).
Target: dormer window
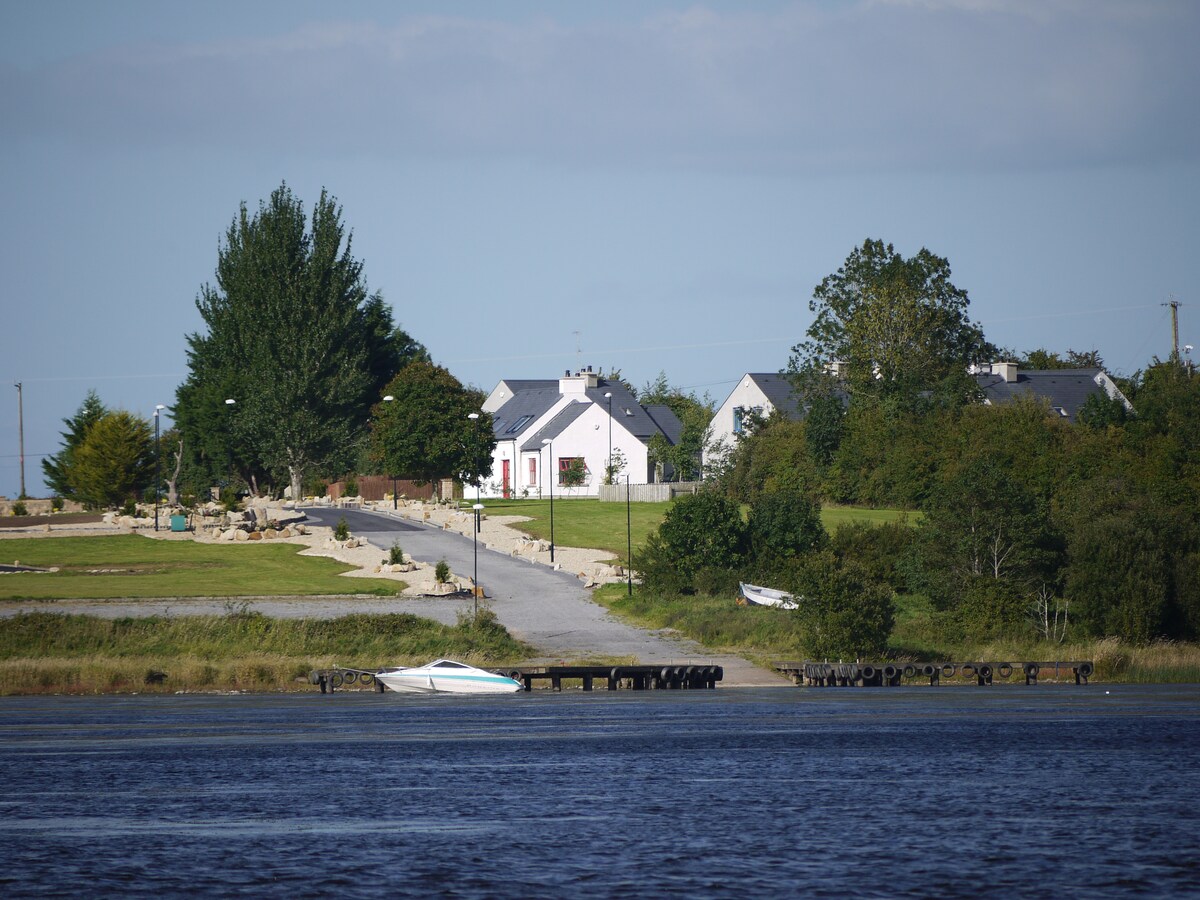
(519,424)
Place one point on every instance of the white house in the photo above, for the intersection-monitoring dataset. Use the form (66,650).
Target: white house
(756,394)
(542,426)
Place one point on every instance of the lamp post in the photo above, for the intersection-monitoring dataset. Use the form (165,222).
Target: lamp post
(157,460)
(478,507)
(388,399)
(608,472)
(550,478)
(628,538)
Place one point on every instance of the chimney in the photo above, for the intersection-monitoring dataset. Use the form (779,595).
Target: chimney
(1006,370)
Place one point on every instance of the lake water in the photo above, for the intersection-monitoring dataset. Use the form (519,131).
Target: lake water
(1057,791)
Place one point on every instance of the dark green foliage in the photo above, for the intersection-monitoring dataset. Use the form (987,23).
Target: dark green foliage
(703,530)
(292,337)
(680,461)
(424,433)
(129,507)
(884,551)
(824,424)
(57,468)
(56,504)
(441,572)
(1101,411)
(783,525)
(897,326)
(573,474)
(341,531)
(19,508)
(395,554)
(115,460)
(846,614)
(772,458)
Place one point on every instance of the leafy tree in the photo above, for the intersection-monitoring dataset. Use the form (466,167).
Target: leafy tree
(57,468)
(291,336)
(783,525)
(424,433)
(983,525)
(700,531)
(694,415)
(894,325)
(824,422)
(771,459)
(114,462)
(1043,359)
(846,614)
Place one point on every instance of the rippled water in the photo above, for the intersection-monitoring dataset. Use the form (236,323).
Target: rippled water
(927,792)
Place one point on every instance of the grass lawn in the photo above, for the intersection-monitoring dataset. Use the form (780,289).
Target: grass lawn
(108,567)
(590,523)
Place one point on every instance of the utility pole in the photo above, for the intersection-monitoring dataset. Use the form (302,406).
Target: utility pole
(1174,304)
(21,435)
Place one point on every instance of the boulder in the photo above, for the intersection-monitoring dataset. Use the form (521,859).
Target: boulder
(239,535)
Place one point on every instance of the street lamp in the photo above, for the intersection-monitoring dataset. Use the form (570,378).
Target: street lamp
(388,399)
(550,478)
(478,507)
(474,417)
(608,471)
(628,538)
(157,459)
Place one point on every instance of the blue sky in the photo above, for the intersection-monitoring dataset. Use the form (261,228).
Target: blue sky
(649,186)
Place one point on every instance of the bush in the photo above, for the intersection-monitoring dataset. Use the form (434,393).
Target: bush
(395,554)
(846,614)
(19,508)
(700,531)
(782,525)
(441,572)
(130,508)
(341,531)
(884,551)
(351,486)
(56,504)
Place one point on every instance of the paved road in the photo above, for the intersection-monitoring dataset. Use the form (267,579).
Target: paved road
(551,610)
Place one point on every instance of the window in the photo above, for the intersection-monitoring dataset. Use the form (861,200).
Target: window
(743,416)
(519,424)
(572,471)
(533,471)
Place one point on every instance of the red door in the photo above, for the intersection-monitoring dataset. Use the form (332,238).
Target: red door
(504,473)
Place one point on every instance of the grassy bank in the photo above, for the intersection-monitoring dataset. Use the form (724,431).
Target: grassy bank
(602,526)
(106,567)
(54,653)
(769,635)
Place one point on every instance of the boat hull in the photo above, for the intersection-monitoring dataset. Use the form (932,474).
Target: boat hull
(462,680)
(762,596)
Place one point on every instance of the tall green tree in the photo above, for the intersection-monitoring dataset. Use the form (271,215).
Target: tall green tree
(894,325)
(700,531)
(57,468)
(424,433)
(694,414)
(114,462)
(294,339)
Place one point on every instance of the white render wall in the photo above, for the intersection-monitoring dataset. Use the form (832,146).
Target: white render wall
(587,436)
(747,395)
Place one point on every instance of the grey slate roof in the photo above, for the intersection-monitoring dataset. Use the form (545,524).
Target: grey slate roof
(1064,389)
(779,391)
(556,426)
(533,401)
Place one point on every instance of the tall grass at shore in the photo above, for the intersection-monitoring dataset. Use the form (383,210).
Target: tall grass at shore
(768,635)
(55,653)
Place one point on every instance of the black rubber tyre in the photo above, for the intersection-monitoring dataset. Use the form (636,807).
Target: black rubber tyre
(867,672)
(1004,670)
(929,670)
(1032,669)
(335,680)
(910,671)
(1085,670)
(968,670)
(889,672)
(949,670)
(350,677)
(985,671)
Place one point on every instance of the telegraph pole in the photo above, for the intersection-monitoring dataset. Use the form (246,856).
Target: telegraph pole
(21,435)
(1174,304)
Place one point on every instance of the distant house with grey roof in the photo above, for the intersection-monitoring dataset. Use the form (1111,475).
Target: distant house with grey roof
(542,426)
(759,394)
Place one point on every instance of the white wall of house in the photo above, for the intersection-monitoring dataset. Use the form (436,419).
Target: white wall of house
(725,427)
(586,437)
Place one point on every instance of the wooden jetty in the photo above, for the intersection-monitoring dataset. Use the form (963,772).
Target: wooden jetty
(891,674)
(635,678)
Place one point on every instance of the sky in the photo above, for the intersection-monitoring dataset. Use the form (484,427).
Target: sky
(646,186)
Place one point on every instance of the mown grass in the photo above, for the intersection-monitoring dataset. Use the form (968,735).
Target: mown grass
(602,526)
(106,567)
(768,635)
(55,653)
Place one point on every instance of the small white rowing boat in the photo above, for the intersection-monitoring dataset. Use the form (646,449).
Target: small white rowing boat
(448,677)
(756,595)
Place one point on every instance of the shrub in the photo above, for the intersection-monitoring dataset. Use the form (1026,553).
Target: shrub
(351,486)
(56,504)
(341,531)
(395,554)
(846,614)
(784,524)
(130,507)
(441,572)
(704,530)
(19,508)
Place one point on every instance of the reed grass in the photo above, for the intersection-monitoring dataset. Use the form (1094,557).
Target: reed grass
(56,653)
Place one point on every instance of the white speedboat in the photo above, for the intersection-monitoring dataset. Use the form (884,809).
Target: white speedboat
(446,676)
(756,595)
